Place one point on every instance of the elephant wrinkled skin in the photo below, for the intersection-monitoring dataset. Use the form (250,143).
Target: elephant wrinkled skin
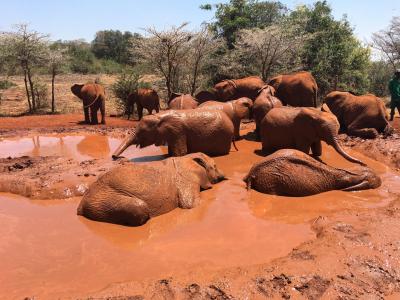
(298,89)
(93,97)
(304,176)
(133,193)
(232,89)
(301,128)
(364,116)
(236,110)
(185,131)
(144,98)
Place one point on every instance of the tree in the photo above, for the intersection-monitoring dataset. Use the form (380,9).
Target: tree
(56,61)
(164,52)
(380,74)
(241,14)
(274,49)
(26,49)
(388,42)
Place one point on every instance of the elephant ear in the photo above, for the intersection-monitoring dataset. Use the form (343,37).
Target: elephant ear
(201,161)
(308,118)
(169,127)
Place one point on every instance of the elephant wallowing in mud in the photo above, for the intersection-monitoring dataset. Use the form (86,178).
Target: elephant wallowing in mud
(144,98)
(93,97)
(305,176)
(364,116)
(133,193)
(236,110)
(232,89)
(298,89)
(301,128)
(182,101)
(185,131)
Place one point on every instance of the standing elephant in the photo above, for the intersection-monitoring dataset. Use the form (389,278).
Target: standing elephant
(301,129)
(144,98)
(133,193)
(236,110)
(185,131)
(231,89)
(264,102)
(364,116)
(183,101)
(298,89)
(204,96)
(304,176)
(93,97)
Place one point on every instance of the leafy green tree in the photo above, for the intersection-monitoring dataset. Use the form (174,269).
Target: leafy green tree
(243,14)
(380,74)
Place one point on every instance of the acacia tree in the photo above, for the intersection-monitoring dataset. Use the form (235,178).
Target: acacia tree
(388,42)
(26,49)
(56,61)
(164,51)
(272,49)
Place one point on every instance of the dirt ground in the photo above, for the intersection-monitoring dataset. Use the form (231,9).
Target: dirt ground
(354,255)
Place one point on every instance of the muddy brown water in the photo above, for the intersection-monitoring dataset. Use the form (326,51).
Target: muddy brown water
(49,252)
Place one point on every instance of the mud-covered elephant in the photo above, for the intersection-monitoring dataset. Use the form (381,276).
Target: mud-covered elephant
(301,128)
(144,98)
(298,89)
(133,193)
(93,97)
(185,131)
(204,96)
(182,101)
(264,102)
(236,110)
(304,175)
(232,89)
(364,116)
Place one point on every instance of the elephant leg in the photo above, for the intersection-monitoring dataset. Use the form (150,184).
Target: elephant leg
(188,194)
(267,149)
(140,111)
(130,211)
(103,111)
(316,148)
(150,111)
(365,133)
(302,146)
(93,114)
(86,113)
(177,146)
(157,109)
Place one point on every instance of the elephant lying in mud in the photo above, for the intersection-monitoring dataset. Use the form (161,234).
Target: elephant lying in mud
(301,128)
(93,97)
(144,98)
(133,193)
(236,110)
(364,116)
(304,176)
(232,89)
(183,101)
(185,131)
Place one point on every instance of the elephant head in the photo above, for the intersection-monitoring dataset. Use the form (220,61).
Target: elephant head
(213,173)
(362,178)
(325,126)
(225,90)
(76,89)
(243,107)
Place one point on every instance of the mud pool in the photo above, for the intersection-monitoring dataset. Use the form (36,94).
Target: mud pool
(49,252)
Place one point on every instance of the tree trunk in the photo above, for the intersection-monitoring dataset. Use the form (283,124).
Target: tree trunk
(53,108)
(27,91)
(32,90)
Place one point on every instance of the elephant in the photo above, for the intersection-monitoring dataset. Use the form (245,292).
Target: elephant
(204,96)
(301,128)
(236,110)
(185,131)
(363,116)
(132,193)
(93,97)
(264,102)
(305,176)
(298,89)
(182,101)
(144,98)
(232,89)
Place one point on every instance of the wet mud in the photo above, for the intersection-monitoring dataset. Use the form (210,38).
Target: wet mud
(237,244)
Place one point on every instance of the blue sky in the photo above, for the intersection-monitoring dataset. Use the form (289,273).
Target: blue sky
(75,19)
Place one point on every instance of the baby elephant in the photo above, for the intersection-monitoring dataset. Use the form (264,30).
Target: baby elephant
(290,172)
(133,193)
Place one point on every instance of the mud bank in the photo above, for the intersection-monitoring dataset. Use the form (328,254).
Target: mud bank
(237,244)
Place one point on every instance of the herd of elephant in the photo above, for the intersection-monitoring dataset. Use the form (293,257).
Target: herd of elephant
(288,124)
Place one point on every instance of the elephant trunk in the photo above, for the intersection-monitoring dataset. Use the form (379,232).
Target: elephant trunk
(130,140)
(335,143)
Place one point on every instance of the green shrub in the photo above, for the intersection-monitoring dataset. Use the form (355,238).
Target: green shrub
(41,94)
(5,84)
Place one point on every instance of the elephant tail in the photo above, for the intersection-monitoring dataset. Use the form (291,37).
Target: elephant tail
(234,144)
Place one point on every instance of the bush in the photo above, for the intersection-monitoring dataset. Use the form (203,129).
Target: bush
(5,84)
(41,94)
